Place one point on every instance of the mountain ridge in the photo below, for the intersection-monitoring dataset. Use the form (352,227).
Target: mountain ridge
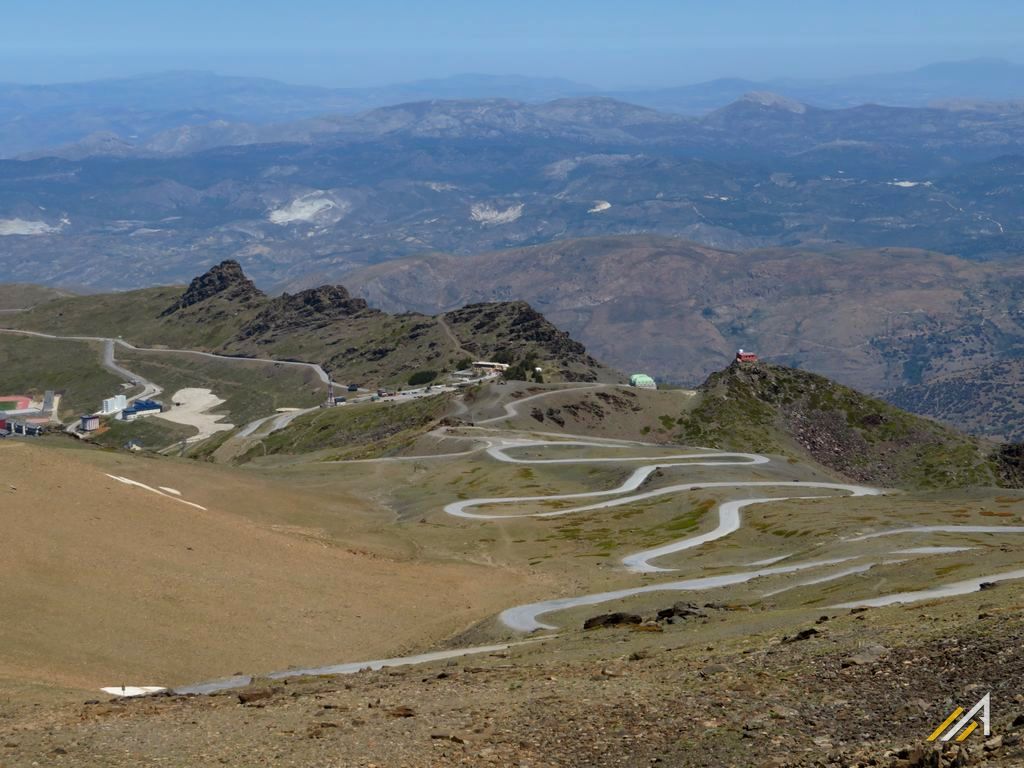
(875,319)
(164,100)
(222,311)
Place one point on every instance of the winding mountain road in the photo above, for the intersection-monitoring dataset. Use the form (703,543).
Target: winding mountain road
(108,355)
(512,409)
(532,617)
(526,618)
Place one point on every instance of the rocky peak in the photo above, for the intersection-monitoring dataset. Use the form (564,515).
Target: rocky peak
(517,329)
(311,307)
(326,299)
(226,280)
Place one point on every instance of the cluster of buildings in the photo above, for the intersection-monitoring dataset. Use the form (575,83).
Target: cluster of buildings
(119,406)
(11,427)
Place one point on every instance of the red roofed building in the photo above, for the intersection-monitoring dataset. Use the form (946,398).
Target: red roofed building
(746,357)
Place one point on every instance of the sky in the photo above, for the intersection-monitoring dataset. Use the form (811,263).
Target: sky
(608,44)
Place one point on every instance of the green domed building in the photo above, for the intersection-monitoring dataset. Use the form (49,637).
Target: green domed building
(642,381)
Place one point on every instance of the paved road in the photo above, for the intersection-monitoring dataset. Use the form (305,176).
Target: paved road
(526,618)
(512,409)
(318,370)
(149,388)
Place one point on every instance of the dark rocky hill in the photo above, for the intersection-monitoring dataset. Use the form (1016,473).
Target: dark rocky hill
(225,282)
(770,408)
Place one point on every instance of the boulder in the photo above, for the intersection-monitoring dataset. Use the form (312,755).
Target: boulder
(612,620)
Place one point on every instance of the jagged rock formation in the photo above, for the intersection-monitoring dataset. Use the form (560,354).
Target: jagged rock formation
(514,328)
(305,310)
(225,281)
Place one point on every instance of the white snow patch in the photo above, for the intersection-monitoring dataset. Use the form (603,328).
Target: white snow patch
(191,406)
(908,184)
(307,208)
(132,690)
(438,186)
(137,484)
(25,227)
(600,205)
(488,214)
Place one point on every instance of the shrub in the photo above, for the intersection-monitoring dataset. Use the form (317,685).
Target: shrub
(422,377)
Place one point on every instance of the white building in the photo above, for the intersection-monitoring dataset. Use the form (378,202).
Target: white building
(487,365)
(114,404)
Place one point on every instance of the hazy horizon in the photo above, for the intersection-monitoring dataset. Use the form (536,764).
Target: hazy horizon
(653,44)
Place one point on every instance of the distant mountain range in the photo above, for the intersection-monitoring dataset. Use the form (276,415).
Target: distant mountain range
(37,119)
(463,177)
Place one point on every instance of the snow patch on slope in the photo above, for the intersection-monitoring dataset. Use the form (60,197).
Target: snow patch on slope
(600,205)
(25,227)
(309,208)
(908,184)
(488,214)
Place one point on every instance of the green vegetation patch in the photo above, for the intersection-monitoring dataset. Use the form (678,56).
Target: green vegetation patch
(422,377)
(32,365)
(150,433)
(771,409)
(367,430)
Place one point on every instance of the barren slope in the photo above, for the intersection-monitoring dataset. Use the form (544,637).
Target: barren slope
(107,583)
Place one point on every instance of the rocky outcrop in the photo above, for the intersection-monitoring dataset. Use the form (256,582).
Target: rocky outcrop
(618,619)
(226,281)
(518,330)
(312,308)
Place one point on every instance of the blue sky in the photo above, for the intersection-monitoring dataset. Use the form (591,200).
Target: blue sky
(609,44)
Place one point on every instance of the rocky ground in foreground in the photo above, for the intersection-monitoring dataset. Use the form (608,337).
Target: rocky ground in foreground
(855,688)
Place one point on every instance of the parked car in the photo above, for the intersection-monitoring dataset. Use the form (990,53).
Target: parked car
(353,387)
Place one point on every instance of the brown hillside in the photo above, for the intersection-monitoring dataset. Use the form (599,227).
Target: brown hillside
(106,583)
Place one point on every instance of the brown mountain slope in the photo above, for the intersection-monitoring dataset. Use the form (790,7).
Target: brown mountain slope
(107,583)
(15,296)
(984,400)
(873,319)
